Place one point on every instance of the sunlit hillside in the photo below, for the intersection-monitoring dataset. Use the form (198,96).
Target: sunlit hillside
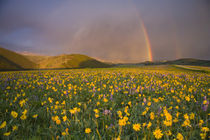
(12,60)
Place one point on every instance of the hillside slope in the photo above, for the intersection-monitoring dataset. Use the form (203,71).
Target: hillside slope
(183,61)
(12,60)
(189,61)
(71,61)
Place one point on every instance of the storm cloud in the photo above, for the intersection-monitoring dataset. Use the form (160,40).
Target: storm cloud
(106,29)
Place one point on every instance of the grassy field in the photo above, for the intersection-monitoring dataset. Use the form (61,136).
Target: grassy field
(153,102)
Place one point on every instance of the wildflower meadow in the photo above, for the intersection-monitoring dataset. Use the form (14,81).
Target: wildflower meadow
(113,103)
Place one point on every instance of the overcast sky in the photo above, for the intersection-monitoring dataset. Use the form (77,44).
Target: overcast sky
(107,29)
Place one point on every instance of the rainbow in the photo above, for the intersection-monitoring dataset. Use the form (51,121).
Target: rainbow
(146,37)
(147,41)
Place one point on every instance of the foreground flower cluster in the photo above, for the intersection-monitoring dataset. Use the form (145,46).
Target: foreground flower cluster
(104,104)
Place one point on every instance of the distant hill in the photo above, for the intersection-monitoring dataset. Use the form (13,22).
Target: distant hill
(189,61)
(12,60)
(184,61)
(35,58)
(71,61)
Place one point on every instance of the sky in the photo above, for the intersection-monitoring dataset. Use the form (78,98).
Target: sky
(110,30)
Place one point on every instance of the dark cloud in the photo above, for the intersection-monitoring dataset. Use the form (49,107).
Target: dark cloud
(107,29)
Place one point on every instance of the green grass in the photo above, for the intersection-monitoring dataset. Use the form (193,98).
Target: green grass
(193,68)
(175,95)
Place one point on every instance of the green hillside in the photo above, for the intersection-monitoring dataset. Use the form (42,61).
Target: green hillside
(5,64)
(12,60)
(36,58)
(71,61)
(184,61)
(189,61)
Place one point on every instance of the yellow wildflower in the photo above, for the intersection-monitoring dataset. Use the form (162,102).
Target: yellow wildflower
(168,133)
(192,116)
(105,100)
(63,133)
(149,125)
(96,110)
(23,117)
(87,130)
(35,116)
(158,133)
(204,129)
(179,136)
(14,114)
(122,122)
(14,128)
(136,127)
(7,133)
(58,121)
(203,135)
(152,116)
(25,112)
(3,124)
(64,118)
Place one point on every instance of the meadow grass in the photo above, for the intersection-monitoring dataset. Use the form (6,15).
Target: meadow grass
(114,103)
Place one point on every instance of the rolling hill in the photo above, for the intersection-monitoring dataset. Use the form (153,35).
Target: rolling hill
(71,61)
(10,60)
(183,61)
(189,61)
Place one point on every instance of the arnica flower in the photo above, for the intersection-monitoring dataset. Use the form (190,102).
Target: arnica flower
(67,131)
(204,129)
(152,116)
(179,136)
(187,98)
(58,121)
(192,116)
(186,123)
(119,114)
(7,133)
(168,133)
(96,110)
(149,125)
(3,124)
(63,133)
(23,117)
(203,135)
(167,122)
(96,115)
(14,114)
(122,122)
(158,133)
(25,112)
(136,127)
(22,102)
(201,122)
(149,103)
(105,100)
(118,138)
(14,128)
(35,116)
(87,130)
(72,111)
(64,118)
